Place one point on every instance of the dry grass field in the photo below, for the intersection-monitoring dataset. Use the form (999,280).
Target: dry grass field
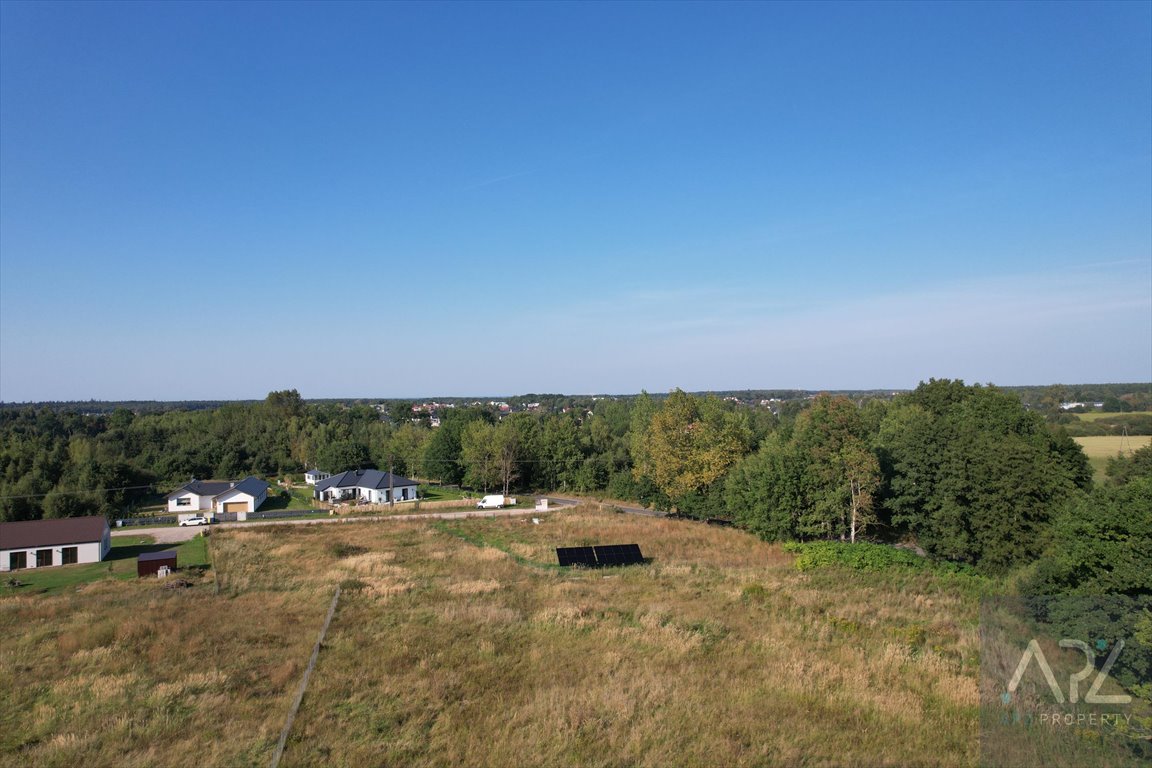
(1100,448)
(461,644)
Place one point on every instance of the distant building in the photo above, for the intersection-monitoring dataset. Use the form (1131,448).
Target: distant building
(60,541)
(215,496)
(314,476)
(367,485)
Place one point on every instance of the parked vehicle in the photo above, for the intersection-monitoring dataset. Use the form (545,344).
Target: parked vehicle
(495,501)
(195,520)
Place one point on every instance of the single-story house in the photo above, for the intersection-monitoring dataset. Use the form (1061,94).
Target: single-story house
(59,541)
(367,485)
(215,496)
(314,476)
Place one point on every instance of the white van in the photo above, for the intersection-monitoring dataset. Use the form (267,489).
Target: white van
(495,501)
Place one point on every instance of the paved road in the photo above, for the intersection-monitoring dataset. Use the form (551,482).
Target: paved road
(175,535)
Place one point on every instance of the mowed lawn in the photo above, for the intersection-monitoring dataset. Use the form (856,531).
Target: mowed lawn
(120,564)
(1100,448)
(462,644)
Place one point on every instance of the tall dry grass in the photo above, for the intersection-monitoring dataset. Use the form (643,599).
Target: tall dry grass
(445,651)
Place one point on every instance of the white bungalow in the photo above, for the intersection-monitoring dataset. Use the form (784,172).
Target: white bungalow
(368,485)
(60,541)
(213,496)
(314,476)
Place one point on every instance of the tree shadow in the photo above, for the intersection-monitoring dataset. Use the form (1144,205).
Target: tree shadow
(135,550)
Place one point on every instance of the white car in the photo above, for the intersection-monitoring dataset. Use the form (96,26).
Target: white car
(195,520)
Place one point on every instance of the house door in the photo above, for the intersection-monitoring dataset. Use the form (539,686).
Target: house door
(43,557)
(68,555)
(17,560)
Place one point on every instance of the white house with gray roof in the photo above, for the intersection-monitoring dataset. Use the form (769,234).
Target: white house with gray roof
(213,496)
(314,476)
(367,485)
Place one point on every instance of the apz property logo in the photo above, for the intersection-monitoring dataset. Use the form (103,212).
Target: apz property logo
(1093,696)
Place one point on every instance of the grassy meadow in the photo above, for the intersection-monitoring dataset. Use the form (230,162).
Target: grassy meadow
(460,643)
(1100,448)
(1108,417)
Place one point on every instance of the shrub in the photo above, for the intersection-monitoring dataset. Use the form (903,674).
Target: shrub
(863,556)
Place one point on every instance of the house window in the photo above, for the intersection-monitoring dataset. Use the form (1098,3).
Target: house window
(43,557)
(184,501)
(17,560)
(68,556)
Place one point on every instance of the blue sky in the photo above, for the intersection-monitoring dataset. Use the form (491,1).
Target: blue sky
(210,200)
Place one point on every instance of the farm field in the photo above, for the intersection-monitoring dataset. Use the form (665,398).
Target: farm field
(1119,417)
(461,643)
(1100,448)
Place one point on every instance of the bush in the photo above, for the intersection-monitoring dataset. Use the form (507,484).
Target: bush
(863,556)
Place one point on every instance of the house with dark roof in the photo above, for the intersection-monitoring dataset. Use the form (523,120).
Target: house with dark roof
(314,476)
(59,541)
(213,496)
(367,485)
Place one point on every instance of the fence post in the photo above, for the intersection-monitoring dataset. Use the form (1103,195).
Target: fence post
(304,682)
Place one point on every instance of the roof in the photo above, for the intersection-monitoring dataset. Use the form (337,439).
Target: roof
(315,472)
(250,485)
(166,554)
(53,532)
(363,478)
(253,486)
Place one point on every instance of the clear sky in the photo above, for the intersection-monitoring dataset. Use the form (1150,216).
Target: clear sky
(216,200)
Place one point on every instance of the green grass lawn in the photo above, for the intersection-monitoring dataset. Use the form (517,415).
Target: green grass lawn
(297,498)
(441,493)
(120,564)
(1110,416)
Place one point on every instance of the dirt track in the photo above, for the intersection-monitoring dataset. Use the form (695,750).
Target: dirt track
(175,534)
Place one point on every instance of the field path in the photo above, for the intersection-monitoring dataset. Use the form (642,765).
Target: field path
(175,535)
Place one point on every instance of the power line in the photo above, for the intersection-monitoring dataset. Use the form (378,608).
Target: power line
(74,493)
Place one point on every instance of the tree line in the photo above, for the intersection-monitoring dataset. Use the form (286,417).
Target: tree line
(966,471)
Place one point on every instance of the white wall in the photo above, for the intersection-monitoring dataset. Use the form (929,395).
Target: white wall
(233,496)
(197,502)
(90,552)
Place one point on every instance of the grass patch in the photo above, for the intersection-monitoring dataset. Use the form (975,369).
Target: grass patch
(1117,417)
(120,564)
(1100,448)
(441,493)
(447,650)
(294,498)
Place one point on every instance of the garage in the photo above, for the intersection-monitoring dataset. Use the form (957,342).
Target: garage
(235,506)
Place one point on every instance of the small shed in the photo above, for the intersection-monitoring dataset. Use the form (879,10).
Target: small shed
(150,563)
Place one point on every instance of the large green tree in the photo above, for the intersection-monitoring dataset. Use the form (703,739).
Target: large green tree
(973,475)
(689,443)
(815,480)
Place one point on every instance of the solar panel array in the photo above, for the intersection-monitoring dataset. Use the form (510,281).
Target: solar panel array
(576,556)
(608,554)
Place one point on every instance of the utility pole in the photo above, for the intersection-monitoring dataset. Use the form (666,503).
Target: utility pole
(391,480)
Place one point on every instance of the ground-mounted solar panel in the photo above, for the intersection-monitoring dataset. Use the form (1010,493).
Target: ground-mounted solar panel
(618,554)
(576,556)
